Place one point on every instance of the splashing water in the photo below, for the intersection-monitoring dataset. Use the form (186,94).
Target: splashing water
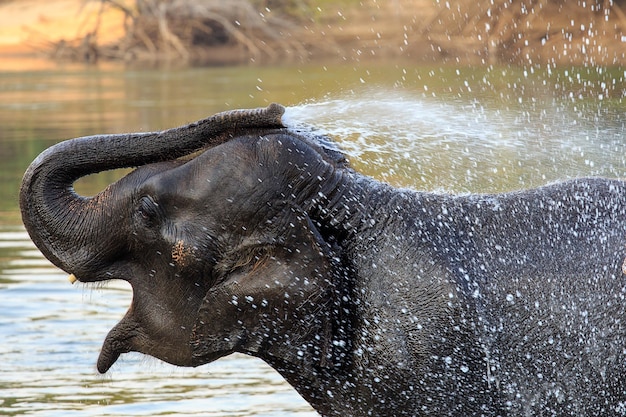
(465,146)
(404,119)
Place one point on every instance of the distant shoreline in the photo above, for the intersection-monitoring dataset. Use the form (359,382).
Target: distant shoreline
(557,33)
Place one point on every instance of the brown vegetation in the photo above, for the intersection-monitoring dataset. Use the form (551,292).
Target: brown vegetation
(195,32)
(527,31)
(212,32)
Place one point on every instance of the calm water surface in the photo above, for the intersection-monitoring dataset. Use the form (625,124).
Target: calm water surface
(441,128)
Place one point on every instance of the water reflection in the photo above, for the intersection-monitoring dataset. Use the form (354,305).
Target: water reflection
(460,129)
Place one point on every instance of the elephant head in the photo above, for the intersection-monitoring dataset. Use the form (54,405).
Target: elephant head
(213,231)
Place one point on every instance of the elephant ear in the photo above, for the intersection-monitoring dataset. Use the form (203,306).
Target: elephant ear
(277,297)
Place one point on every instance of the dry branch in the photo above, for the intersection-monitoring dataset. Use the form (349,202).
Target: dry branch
(189,31)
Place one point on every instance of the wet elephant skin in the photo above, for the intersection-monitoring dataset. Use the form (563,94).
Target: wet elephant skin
(238,234)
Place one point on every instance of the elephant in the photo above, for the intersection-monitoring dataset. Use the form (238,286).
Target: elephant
(239,234)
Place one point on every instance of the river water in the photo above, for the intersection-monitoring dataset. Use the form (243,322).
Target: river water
(458,129)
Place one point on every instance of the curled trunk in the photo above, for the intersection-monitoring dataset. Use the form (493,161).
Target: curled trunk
(57,218)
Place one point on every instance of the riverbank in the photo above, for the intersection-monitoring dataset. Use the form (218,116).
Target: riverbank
(182,32)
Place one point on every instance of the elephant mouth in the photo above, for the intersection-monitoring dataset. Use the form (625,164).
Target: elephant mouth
(151,328)
(131,336)
(124,338)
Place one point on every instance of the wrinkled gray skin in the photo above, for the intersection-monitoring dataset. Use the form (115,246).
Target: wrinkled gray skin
(369,300)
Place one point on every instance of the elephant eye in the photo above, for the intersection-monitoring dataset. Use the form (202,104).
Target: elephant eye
(148,210)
